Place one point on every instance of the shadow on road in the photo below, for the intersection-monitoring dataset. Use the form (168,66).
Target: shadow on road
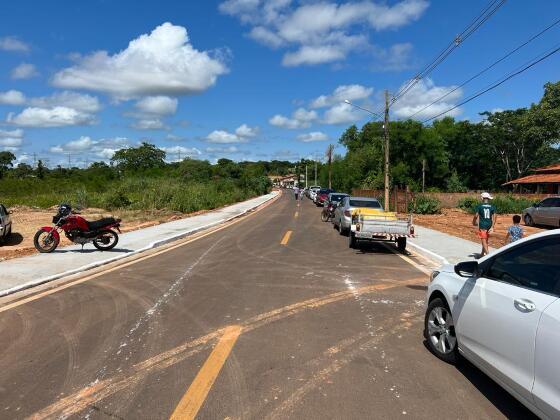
(499,397)
(90,250)
(417,287)
(14,239)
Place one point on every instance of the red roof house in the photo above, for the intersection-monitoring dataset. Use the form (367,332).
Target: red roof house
(543,180)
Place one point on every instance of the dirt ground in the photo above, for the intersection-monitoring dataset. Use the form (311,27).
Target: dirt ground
(27,220)
(459,223)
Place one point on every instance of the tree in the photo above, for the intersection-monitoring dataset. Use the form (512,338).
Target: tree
(23,170)
(6,161)
(146,156)
(40,169)
(195,170)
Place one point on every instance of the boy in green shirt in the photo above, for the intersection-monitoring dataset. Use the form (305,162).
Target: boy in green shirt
(485,218)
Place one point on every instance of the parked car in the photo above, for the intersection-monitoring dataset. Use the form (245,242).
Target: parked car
(503,314)
(313,191)
(343,214)
(5,223)
(333,200)
(321,196)
(546,213)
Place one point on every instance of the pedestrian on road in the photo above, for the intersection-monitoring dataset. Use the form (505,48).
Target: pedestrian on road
(515,232)
(296,191)
(485,218)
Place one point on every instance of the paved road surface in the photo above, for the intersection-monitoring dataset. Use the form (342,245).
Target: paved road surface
(248,322)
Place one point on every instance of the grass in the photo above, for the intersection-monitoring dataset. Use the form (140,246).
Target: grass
(505,204)
(135,193)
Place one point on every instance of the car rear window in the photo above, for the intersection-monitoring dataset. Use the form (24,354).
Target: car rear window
(337,197)
(372,204)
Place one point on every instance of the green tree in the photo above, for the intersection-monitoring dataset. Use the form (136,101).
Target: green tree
(40,169)
(146,156)
(6,161)
(195,170)
(23,170)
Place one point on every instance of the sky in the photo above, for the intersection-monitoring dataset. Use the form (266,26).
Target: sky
(247,79)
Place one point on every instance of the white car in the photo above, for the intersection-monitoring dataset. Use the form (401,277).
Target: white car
(313,191)
(503,314)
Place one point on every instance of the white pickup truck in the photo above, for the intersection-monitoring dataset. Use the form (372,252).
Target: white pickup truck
(377,225)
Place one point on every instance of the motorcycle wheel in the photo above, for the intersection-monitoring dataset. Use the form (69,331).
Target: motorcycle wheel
(45,242)
(106,240)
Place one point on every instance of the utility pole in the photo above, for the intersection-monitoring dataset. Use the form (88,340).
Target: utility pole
(315,169)
(386,127)
(306,175)
(423,175)
(330,150)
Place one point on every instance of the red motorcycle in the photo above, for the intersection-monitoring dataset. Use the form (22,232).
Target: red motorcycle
(78,230)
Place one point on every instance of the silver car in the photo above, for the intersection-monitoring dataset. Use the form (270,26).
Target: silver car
(343,214)
(502,313)
(5,223)
(546,213)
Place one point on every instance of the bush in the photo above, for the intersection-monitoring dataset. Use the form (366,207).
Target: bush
(115,200)
(505,204)
(454,184)
(424,204)
(468,204)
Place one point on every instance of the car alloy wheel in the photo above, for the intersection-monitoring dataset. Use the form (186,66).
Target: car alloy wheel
(528,220)
(440,331)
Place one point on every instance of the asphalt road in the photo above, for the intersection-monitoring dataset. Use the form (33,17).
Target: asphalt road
(248,322)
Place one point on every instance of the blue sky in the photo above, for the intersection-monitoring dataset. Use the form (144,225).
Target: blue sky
(244,79)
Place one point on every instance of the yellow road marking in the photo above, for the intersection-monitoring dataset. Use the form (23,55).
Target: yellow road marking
(286,238)
(84,398)
(198,391)
(135,261)
(297,214)
(408,260)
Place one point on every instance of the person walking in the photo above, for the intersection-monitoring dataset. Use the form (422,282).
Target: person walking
(515,232)
(485,218)
(296,191)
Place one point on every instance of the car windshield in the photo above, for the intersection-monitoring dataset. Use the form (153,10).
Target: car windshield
(325,191)
(371,204)
(337,198)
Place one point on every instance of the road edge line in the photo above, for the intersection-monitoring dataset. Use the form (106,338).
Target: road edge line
(430,255)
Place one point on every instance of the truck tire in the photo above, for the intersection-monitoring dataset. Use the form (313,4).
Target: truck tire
(352,241)
(401,244)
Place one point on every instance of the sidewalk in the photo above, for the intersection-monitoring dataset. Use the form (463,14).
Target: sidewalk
(22,273)
(441,247)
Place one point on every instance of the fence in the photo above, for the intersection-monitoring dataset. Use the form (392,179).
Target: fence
(400,198)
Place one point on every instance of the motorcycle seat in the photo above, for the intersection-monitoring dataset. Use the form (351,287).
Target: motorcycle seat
(98,224)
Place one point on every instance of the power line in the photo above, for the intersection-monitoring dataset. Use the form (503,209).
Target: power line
(458,40)
(524,68)
(495,63)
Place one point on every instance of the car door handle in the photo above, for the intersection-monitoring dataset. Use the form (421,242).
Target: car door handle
(524,305)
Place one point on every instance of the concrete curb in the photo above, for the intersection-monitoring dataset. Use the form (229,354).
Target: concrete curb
(152,245)
(430,255)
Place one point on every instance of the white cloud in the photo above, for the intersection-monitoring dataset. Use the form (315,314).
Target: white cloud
(244,131)
(74,100)
(223,137)
(342,114)
(242,135)
(313,136)
(24,71)
(394,58)
(160,63)
(12,43)
(157,105)
(342,93)
(12,97)
(11,139)
(323,31)
(149,124)
(58,116)
(301,118)
(423,94)
(180,152)
(103,148)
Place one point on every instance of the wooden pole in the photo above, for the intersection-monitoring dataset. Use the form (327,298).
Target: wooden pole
(386,128)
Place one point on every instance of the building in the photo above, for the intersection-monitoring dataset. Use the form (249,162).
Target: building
(543,181)
(283,180)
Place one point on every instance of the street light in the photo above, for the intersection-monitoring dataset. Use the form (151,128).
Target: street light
(386,133)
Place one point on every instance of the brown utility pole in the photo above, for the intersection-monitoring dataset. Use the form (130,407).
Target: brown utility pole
(386,127)
(423,174)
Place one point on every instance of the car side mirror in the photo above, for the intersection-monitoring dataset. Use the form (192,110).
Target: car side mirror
(535,204)
(10,212)
(468,269)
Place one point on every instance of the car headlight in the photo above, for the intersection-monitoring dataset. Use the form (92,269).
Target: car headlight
(433,275)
